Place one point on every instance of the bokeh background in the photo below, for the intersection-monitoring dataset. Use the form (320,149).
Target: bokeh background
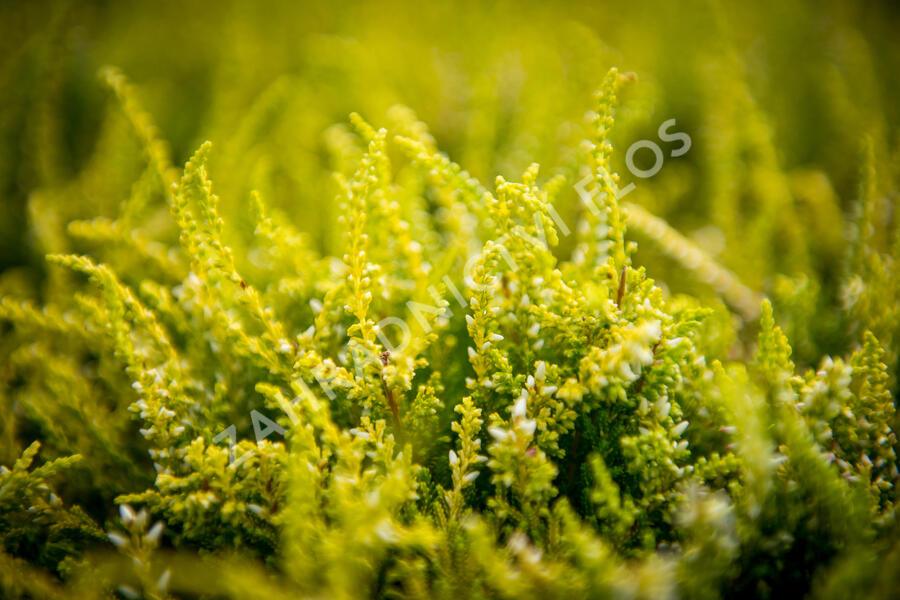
(779,97)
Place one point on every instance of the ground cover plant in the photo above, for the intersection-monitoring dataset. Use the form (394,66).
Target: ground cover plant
(449,301)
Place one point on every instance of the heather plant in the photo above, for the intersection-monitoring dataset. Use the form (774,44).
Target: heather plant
(449,374)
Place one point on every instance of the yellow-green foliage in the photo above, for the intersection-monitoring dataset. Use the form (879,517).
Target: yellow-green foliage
(337,354)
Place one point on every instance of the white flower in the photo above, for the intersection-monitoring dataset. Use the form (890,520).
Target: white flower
(679,429)
(528,426)
(498,433)
(155,532)
(363,435)
(127,513)
(453,458)
(673,342)
(119,540)
(541,372)
(471,476)
(519,408)
(518,542)
(128,592)
(141,518)
(163,582)
(385,531)
(663,406)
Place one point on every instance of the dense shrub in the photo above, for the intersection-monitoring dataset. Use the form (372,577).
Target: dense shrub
(373,359)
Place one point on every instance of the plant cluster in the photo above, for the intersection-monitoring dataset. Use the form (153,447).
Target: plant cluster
(463,388)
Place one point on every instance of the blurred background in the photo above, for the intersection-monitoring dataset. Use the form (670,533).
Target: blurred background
(781,100)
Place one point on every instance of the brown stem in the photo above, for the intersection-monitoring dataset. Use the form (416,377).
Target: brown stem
(621,291)
(392,403)
(389,395)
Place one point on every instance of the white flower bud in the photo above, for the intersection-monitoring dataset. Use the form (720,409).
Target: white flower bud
(126,513)
(163,582)
(528,426)
(498,433)
(155,532)
(519,408)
